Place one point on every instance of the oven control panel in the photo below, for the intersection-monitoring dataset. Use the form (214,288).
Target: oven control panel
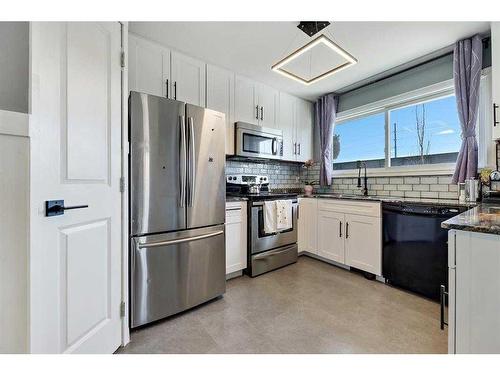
(246,179)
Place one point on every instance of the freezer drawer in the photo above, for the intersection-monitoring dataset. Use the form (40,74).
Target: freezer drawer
(273,259)
(175,271)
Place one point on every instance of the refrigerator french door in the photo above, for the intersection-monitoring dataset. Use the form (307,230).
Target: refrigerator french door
(177,206)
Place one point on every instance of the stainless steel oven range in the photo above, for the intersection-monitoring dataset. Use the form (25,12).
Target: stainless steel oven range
(266,251)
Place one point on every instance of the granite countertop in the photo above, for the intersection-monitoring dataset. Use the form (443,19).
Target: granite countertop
(439,202)
(484,218)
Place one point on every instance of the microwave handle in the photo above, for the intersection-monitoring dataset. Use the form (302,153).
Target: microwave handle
(273,146)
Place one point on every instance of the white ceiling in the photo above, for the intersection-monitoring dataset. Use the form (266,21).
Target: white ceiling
(251,48)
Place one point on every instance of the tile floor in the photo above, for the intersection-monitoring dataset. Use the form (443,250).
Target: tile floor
(308,307)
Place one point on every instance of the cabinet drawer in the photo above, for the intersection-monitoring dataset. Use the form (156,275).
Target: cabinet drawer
(350,207)
(234,212)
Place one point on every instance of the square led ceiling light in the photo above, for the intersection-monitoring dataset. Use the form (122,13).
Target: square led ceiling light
(318,59)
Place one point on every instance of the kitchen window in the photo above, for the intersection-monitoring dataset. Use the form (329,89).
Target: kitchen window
(417,131)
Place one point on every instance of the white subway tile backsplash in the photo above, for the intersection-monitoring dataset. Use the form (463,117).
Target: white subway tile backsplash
(429,180)
(405,187)
(396,180)
(412,180)
(421,187)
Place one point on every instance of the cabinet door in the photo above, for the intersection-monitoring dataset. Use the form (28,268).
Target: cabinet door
(308,228)
(188,79)
(477,297)
(304,129)
(363,244)
(331,235)
(246,108)
(149,66)
(236,237)
(495,75)
(268,102)
(287,125)
(220,97)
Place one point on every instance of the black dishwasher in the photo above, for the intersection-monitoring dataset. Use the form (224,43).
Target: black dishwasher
(415,249)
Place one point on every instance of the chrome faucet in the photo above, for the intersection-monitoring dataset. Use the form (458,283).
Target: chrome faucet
(360,164)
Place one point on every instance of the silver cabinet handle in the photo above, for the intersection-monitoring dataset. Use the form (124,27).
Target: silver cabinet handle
(346,230)
(299,147)
(179,240)
(233,209)
(182,160)
(175,90)
(257,112)
(192,163)
(442,296)
(340,229)
(262,113)
(295,148)
(495,107)
(166,85)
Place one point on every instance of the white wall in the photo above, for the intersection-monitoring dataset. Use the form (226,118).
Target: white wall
(14,66)
(14,231)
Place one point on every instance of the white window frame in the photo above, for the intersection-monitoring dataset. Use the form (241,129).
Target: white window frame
(432,92)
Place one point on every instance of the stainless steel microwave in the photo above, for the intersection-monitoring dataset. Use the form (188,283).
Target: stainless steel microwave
(258,142)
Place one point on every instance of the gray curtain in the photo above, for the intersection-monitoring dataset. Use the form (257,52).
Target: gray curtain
(467,63)
(325,110)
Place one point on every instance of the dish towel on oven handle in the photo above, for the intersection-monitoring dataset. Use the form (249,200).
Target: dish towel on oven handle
(269,217)
(283,214)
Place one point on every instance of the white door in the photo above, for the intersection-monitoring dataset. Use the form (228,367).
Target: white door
(188,79)
(268,101)
(287,125)
(220,97)
(246,108)
(477,297)
(236,237)
(149,67)
(363,243)
(304,130)
(495,65)
(331,235)
(308,228)
(75,258)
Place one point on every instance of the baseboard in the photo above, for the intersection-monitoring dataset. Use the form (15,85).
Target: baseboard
(234,274)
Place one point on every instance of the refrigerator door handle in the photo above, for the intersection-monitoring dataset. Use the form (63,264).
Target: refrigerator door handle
(179,240)
(192,165)
(183,161)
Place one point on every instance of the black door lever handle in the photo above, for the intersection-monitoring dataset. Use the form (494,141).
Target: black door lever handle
(56,208)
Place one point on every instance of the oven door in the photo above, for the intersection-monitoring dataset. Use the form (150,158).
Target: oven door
(259,142)
(261,241)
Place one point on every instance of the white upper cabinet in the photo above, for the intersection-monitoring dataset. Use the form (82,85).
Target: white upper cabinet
(149,66)
(269,101)
(304,129)
(246,108)
(220,97)
(495,65)
(296,121)
(287,125)
(188,79)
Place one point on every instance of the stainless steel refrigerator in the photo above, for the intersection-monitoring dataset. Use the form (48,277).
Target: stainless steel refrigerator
(177,206)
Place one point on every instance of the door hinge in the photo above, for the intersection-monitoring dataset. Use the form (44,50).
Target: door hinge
(122,309)
(122,59)
(122,184)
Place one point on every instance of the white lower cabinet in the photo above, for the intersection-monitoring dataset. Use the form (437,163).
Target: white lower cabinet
(236,236)
(363,241)
(344,231)
(331,242)
(474,293)
(308,225)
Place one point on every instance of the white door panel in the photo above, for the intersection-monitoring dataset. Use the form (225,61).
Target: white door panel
(246,107)
(331,235)
(149,67)
(188,79)
(220,97)
(269,99)
(363,244)
(75,258)
(287,125)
